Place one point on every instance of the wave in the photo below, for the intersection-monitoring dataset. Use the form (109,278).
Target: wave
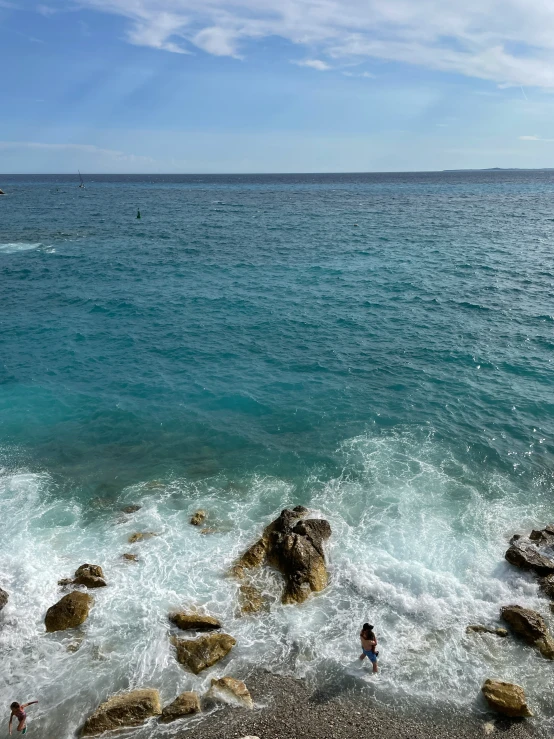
(417,548)
(17,246)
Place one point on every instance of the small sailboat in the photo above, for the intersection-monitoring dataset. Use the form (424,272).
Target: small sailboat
(82,184)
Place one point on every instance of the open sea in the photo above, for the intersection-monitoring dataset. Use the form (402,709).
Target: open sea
(376,347)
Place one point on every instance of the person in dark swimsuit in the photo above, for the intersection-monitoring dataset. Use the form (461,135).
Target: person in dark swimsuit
(369,642)
(18,710)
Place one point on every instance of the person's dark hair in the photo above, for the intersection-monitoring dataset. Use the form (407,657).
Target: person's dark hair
(14,705)
(367,627)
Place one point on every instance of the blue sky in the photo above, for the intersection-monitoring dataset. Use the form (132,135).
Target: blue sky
(275,85)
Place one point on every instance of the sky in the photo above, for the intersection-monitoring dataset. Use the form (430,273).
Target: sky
(220,86)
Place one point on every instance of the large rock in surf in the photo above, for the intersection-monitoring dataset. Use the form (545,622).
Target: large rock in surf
(184,705)
(69,612)
(532,628)
(546,586)
(506,698)
(121,711)
(232,691)
(198,654)
(3,598)
(535,552)
(192,621)
(198,518)
(91,576)
(294,547)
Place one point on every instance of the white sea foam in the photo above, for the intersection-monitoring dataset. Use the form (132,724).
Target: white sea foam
(16,246)
(417,548)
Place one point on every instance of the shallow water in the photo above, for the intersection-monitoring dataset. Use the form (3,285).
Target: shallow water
(377,347)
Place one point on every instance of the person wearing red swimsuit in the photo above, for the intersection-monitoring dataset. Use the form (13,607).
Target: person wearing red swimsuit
(18,710)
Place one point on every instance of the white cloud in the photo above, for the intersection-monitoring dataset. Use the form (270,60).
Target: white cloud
(506,41)
(314,64)
(533,138)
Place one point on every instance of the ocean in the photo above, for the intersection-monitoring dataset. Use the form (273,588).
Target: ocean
(376,347)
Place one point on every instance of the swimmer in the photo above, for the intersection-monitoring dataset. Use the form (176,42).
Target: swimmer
(18,710)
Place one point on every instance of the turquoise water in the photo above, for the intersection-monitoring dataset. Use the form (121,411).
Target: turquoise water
(377,347)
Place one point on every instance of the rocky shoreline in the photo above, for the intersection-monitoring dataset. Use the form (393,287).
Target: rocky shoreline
(293,544)
(287,708)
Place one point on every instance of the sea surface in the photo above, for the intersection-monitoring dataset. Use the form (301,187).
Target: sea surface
(378,348)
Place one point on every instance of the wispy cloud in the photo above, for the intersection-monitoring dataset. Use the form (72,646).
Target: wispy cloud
(367,75)
(118,156)
(509,43)
(534,138)
(318,64)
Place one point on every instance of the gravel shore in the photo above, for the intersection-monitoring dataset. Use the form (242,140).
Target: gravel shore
(288,709)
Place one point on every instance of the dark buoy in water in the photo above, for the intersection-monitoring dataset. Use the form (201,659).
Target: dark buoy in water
(138,213)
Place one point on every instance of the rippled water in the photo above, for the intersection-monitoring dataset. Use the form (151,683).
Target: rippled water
(377,347)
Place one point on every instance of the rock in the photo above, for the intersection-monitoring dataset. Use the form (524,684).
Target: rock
(89,570)
(141,536)
(506,698)
(121,711)
(71,611)
(232,691)
(532,628)
(488,727)
(91,576)
(3,598)
(130,557)
(250,599)
(486,630)
(198,518)
(198,654)
(295,548)
(131,508)
(183,705)
(535,552)
(547,586)
(191,621)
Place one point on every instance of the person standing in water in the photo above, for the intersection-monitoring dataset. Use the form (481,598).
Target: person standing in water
(18,710)
(369,642)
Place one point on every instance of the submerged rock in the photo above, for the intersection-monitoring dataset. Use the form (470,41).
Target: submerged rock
(121,711)
(192,621)
(506,698)
(532,628)
(535,552)
(198,518)
(184,705)
(91,576)
(232,691)
(295,548)
(141,536)
(130,557)
(250,599)
(71,611)
(3,598)
(478,628)
(131,508)
(198,654)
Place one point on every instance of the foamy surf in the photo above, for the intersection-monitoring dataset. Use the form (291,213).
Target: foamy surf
(415,549)
(18,246)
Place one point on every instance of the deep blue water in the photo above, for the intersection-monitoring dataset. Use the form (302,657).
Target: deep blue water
(377,346)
